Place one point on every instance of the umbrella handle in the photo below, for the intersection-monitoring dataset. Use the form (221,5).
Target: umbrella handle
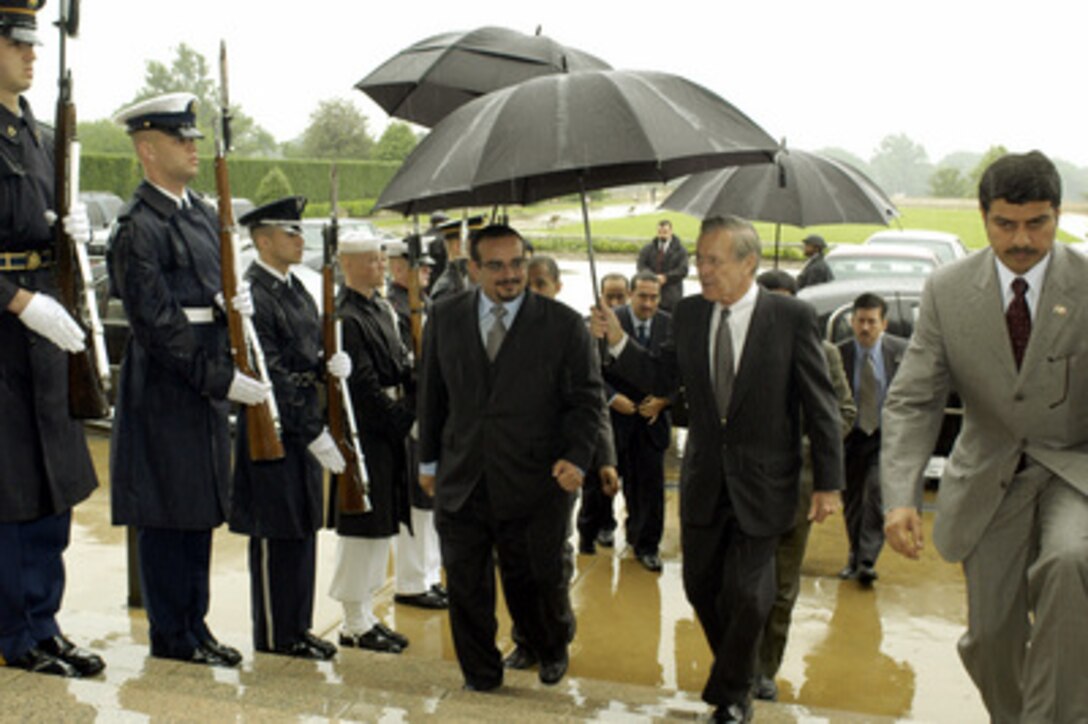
(589,243)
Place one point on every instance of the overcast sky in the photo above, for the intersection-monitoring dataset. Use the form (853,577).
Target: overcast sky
(951,74)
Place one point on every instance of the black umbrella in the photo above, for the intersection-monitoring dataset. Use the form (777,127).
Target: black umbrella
(569,133)
(799,189)
(425,82)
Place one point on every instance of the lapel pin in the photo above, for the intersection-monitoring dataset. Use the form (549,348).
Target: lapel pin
(1060,310)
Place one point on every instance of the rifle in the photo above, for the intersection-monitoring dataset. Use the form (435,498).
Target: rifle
(262,421)
(351,485)
(88,371)
(415,296)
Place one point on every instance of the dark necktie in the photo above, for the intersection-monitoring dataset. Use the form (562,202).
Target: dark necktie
(723,364)
(641,335)
(661,257)
(868,408)
(497,332)
(1018,320)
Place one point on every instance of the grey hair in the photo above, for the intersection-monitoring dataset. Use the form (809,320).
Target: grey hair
(745,239)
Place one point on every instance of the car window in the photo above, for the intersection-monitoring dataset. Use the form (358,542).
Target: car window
(859,268)
(942,250)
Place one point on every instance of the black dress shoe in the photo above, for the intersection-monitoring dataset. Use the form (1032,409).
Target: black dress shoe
(37,661)
(305,649)
(85,662)
(328,647)
(551,672)
(849,572)
(733,714)
(389,633)
(586,546)
(374,640)
(229,655)
(606,538)
(427,599)
(866,575)
(522,657)
(765,689)
(440,590)
(481,687)
(207,656)
(650,561)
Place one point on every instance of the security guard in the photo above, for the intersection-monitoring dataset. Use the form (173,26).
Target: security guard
(170,456)
(279,503)
(45,467)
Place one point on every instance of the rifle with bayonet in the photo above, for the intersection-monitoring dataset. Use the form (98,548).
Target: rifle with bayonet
(89,370)
(351,485)
(415,295)
(262,421)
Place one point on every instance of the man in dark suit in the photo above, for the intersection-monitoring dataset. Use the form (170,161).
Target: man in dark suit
(816,269)
(666,257)
(753,369)
(870,359)
(640,421)
(510,409)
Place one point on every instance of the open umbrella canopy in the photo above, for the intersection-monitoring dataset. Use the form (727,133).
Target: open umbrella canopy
(800,189)
(564,133)
(425,82)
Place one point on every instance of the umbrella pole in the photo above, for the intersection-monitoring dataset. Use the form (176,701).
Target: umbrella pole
(777,237)
(589,243)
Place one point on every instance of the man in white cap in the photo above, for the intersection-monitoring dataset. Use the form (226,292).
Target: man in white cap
(381,371)
(170,449)
(278,503)
(45,468)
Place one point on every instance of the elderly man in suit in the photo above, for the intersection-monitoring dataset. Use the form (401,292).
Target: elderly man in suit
(870,360)
(1007,328)
(753,368)
(510,410)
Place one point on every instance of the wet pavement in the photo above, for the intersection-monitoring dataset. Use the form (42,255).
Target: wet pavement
(854,655)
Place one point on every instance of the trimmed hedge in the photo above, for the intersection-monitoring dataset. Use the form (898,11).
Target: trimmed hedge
(121,173)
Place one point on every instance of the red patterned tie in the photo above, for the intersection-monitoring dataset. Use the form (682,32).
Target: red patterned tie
(1018,320)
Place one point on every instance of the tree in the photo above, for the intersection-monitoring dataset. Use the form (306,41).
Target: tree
(948,183)
(103,136)
(190,73)
(396,143)
(841,154)
(274,185)
(992,154)
(901,166)
(337,130)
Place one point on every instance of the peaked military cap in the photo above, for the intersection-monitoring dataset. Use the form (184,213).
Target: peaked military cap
(18,20)
(173,113)
(286,212)
(452,229)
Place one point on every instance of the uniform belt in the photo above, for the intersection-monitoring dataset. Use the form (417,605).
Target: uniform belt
(199,315)
(26,260)
(302,379)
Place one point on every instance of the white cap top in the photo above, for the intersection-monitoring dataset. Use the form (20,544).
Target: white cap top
(358,241)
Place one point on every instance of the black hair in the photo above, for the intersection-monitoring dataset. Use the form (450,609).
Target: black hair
(1020,178)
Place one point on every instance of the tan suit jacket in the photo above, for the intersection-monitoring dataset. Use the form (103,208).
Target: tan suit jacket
(960,342)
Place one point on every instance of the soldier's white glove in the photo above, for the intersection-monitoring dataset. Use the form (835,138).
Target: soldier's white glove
(50,319)
(77,224)
(247,390)
(241,302)
(339,365)
(324,449)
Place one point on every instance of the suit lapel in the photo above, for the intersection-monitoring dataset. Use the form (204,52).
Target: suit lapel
(984,295)
(1057,304)
(700,331)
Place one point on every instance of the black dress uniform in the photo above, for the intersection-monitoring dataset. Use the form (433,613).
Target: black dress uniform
(45,467)
(279,503)
(170,456)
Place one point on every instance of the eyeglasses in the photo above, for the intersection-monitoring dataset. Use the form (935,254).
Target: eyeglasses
(496,266)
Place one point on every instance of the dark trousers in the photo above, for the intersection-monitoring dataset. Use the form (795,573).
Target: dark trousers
(174,578)
(642,468)
(281,590)
(530,556)
(729,581)
(861,500)
(31,581)
(595,513)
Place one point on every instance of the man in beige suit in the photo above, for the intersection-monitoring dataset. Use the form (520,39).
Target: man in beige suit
(1007,328)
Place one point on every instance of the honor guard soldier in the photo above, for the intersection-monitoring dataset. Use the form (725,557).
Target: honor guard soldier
(455,276)
(170,456)
(45,467)
(278,503)
(418,559)
(380,373)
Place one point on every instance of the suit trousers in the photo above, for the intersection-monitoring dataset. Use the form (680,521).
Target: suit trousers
(281,590)
(862,502)
(1027,603)
(642,468)
(729,581)
(174,578)
(529,550)
(595,512)
(418,562)
(31,581)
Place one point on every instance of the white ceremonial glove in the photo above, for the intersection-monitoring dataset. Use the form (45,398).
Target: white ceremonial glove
(414,432)
(77,224)
(50,319)
(248,391)
(324,449)
(339,365)
(242,302)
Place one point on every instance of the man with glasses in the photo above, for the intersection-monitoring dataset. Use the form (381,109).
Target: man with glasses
(510,408)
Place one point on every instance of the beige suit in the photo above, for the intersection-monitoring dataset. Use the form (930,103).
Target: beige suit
(1022,535)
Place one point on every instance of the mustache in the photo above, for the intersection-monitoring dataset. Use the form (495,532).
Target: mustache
(1023,250)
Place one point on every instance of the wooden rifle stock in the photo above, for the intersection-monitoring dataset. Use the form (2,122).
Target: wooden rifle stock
(262,433)
(415,296)
(351,485)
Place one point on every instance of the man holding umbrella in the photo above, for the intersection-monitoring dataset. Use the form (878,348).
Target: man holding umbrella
(815,270)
